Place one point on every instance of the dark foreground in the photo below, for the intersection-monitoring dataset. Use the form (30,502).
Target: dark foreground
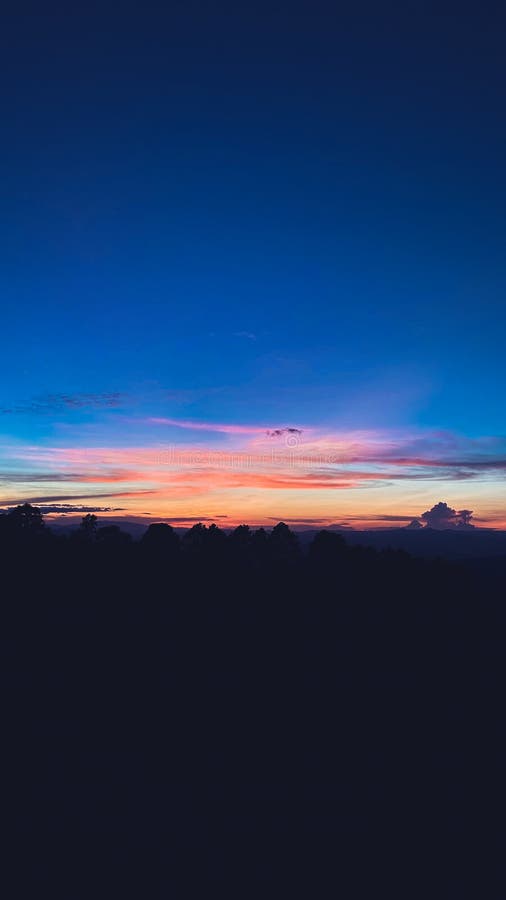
(232,712)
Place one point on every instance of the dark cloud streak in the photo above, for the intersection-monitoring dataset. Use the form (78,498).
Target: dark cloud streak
(49,403)
(36,501)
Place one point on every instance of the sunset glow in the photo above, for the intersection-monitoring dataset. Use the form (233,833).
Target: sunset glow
(258,474)
(258,282)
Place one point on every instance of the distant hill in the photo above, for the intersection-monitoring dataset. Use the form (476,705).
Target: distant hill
(477,543)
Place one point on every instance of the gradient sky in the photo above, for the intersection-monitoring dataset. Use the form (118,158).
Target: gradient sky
(222,221)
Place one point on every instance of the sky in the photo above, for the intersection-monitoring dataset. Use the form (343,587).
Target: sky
(252,261)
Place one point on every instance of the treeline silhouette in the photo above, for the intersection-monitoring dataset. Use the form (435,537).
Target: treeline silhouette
(182,701)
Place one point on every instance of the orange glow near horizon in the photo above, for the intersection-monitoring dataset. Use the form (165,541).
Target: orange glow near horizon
(356,480)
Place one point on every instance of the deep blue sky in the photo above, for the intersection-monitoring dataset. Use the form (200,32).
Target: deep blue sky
(292,212)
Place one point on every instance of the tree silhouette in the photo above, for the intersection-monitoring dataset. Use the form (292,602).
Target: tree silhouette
(88,526)
(327,548)
(194,538)
(245,660)
(25,519)
(111,536)
(241,536)
(215,540)
(283,544)
(160,538)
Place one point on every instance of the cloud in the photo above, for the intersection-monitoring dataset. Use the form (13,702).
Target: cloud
(62,508)
(190,518)
(49,403)
(335,462)
(390,517)
(442,516)
(467,464)
(36,501)
(260,473)
(249,335)
(30,477)
(82,401)
(279,432)
(310,521)
(192,425)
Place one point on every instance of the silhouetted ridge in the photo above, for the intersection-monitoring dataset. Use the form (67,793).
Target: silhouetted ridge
(202,691)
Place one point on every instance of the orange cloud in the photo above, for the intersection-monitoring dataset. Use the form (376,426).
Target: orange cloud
(265,474)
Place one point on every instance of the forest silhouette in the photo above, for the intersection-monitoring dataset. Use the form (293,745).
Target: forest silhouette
(228,690)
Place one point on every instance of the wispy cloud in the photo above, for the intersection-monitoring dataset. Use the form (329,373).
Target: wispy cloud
(67,508)
(249,335)
(49,403)
(311,473)
(82,401)
(192,425)
(36,501)
(29,477)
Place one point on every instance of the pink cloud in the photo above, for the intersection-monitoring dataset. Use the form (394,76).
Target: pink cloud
(208,426)
(189,479)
